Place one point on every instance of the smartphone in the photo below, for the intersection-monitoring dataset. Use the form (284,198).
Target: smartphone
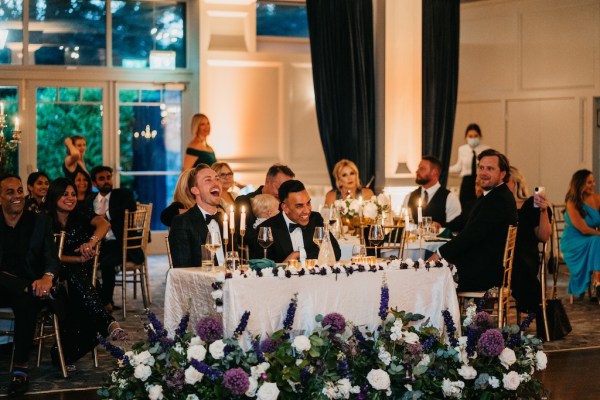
(537,191)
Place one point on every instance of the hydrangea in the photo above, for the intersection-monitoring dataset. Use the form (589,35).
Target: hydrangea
(384,356)
(210,329)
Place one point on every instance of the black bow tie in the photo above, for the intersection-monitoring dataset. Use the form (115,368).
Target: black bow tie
(293,226)
(209,218)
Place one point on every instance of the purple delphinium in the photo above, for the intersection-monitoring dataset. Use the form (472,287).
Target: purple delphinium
(212,373)
(450,327)
(156,331)
(210,329)
(384,302)
(236,381)
(336,322)
(183,324)
(115,351)
(242,325)
(258,351)
(291,312)
(428,343)
(175,381)
(472,337)
(491,343)
(268,345)
(482,302)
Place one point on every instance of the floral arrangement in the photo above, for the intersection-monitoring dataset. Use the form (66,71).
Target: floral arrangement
(336,361)
(347,208)
(375,206)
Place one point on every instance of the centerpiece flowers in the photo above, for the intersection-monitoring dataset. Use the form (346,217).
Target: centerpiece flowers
(404,358)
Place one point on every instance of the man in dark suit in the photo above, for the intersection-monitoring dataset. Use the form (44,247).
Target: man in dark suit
(111,204)
(294,226)
(190,229)
(28,265)
(478,251)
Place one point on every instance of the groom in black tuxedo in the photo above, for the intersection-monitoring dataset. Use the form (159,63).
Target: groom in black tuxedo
(293,228)
(478,251)
(190,229)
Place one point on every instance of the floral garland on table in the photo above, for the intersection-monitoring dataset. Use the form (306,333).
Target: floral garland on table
(337,360)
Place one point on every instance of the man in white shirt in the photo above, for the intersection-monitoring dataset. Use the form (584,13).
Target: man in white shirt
(437,202)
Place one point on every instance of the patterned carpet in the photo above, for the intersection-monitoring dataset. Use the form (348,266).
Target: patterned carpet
(583,314)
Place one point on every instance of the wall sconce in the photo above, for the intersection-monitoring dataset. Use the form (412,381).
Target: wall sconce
(402,168)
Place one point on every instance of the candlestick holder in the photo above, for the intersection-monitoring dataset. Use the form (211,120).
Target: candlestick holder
(242,234)
(232,231)
(420,233)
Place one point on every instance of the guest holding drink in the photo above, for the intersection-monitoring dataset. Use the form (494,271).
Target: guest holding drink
(37,188)
(198,151)
(183,199)
(74,161)
(347,183)
(466,165)
(580,241)
(293,228)
(225,174)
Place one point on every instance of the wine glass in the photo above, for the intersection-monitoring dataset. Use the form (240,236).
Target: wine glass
(265,238)
(318,235)
(376,236)
(427,221)
(213,243)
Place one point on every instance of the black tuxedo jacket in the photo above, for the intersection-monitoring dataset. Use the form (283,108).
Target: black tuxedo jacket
(282,242)
(188,232)
(478,250)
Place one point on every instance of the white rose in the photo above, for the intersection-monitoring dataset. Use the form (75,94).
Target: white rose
(251,392)
(467,372)
(410,337)
(217,349)
(192,397)
(216,294)
(142,372)
(344,387)
(268,391)
(354,206)
(452,388)
(196,340)
(301,343)
(541,360)
(511,380)
(155,392)
(192,375)
(494,382)
(131,356)
(197,352)
(144,358)
(379,379)
(257,370)
(507,357)
(370,210)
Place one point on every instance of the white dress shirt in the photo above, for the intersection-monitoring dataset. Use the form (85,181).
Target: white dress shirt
(453,208)
(213,227)
(110,235)
(465,157)
(296,236)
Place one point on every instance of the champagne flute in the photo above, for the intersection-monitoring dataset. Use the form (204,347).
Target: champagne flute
(265,238)
(376,236)
(213,243)
(318,235)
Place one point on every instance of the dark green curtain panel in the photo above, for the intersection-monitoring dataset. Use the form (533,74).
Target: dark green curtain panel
(441,28)
(341,44)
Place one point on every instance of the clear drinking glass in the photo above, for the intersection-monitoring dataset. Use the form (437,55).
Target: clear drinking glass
(213,243)
(265,238)
(376,236)
(427,221)
(318,235)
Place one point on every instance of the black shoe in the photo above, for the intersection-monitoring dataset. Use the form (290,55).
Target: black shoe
(19,383)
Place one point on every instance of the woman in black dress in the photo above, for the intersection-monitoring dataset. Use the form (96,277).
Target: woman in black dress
(37,188)
(86,317)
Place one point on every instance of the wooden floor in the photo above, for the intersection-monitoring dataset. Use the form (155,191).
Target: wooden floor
(571,375)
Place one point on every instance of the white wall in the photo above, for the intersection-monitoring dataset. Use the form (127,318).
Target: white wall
(529,72)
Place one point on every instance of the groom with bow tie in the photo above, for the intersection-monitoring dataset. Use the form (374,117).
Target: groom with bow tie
(190,229)
(293,228)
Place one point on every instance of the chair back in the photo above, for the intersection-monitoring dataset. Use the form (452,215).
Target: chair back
(134,231)
(59,240)
(507,263)
(96,263)
(403,237)
(169,252)
(558,226)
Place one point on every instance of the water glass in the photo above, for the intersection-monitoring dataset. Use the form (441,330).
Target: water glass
(206,254)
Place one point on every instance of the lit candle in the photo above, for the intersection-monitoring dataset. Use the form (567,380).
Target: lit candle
(16,123)
(2,108)
(419,213)
(225,232)
(406,219)
(243,219)
(231,218)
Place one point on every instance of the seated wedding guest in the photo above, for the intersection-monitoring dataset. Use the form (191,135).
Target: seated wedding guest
(294,227)
(580,241)
(478,250)
(534,227)
(437,202)
(37,187)
(182,199)
(28,265)
(466,166)
(189,230)
(83,186)
(225,174)
(347,183)
(74,161)
(264,206)
(85,313)
(276,175)
(198,151)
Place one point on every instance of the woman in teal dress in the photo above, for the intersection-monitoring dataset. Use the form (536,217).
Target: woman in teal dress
(580,241)
(198,151)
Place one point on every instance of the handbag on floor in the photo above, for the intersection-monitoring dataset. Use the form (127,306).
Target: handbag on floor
(558,321)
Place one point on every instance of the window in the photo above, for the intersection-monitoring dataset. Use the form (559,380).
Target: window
(9,100)
(287,19)
(11,32)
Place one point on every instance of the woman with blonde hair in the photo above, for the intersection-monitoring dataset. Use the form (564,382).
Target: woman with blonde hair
(198,151)
(347,182)
(225,174)
(182,199)
(520,191)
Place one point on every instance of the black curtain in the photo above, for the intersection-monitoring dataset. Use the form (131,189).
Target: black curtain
(341,44)
(441,27)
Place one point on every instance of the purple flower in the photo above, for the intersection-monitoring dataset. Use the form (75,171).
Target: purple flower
(491,343)
(212,373)
(210,329)
(115,351)
(336,322)
(413,353)
(450,327)
(483,320)
(268,345)
(384,302)
(291,312)
(242,325)
(258,351)
(176,381)
(236,381)
(183,324)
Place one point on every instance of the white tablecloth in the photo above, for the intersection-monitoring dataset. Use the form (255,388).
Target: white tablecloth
(356,297)
(411,251)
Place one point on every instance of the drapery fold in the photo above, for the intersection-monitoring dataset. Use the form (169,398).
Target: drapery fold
(441,34)
(341,43)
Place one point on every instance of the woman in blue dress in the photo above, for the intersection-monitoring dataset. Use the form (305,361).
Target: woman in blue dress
(580,242)
(198,151)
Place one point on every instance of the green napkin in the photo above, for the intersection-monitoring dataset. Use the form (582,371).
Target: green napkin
(261,263)
(446,233)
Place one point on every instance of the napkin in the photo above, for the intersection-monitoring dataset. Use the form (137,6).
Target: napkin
(446,233)
(261,263)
